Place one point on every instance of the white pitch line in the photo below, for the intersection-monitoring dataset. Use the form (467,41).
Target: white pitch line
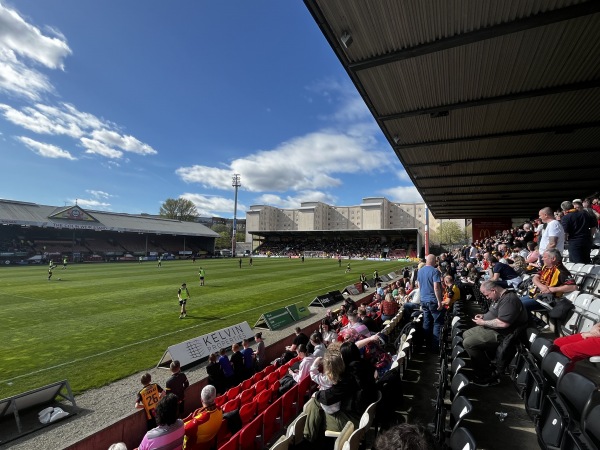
(8,380)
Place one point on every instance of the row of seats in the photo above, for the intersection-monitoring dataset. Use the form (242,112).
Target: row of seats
(451,406)
(564,405)
(265,415)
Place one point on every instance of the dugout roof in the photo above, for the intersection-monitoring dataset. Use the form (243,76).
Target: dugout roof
(77,218)
(493,107)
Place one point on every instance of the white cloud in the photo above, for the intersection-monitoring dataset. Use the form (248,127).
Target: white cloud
(403,194)
(98,194)
(27,40)
(23,47)
(23,44)
(40,120)
(98,148)
(293,202)
(208,205)
(45,150)
(18,79)
(95,204)
(127,143)
(67,120)
(307,162)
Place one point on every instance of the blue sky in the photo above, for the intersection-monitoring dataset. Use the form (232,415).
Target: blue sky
(123,104)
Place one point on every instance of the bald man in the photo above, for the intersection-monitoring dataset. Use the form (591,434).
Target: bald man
(430,286)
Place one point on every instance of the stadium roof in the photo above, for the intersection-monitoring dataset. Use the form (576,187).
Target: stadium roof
(75,217)
(492,107)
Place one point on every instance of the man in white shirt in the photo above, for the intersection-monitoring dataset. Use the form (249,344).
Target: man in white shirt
(553,235)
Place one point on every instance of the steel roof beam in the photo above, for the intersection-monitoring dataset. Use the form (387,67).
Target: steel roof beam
(492,100)
(539,20)
(562,129)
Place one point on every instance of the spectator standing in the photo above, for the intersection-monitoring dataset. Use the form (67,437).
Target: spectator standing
(216,377)
(430,287)
(248,354)
(553,234)
(260,351)
(237,361)
(177,384)
(148,398)
(580,228)
(227,368)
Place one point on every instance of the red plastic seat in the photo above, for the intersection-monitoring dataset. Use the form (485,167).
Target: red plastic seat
(269,369)
(233,392)
(231,405)
(289,405)
(233,443)
(247,412)
(251,435)
(272,421)
(221,400)
(303,390)
(273,376)
(294,360)
(275,390)
(262,400)
(246,384)
(283,370)
(260,386)
(247,395)
(256,377)
(224,434)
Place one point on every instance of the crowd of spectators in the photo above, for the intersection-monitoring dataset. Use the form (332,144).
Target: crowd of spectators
(347,354)
(366,248)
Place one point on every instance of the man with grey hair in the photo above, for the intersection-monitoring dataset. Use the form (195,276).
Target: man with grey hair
(553,281)
(203,424)
(506,314)
(579,228)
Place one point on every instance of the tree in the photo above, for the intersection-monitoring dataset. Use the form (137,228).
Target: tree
(179,208)
(449,233)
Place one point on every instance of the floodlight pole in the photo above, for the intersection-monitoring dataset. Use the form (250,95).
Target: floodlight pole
(236,184)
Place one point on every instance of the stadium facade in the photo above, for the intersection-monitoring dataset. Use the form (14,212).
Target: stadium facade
(402,224)
(31,233)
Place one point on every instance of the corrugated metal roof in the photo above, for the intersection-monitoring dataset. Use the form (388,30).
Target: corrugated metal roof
(479,98)
(21,213)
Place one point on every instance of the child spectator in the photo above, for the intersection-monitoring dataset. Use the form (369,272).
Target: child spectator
(227,368)
(248,355)
(148,398)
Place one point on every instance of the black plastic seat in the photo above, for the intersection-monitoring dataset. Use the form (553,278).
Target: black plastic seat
(542,382)
(563,409)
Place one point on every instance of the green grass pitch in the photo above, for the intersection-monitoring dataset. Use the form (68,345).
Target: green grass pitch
(102,322)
